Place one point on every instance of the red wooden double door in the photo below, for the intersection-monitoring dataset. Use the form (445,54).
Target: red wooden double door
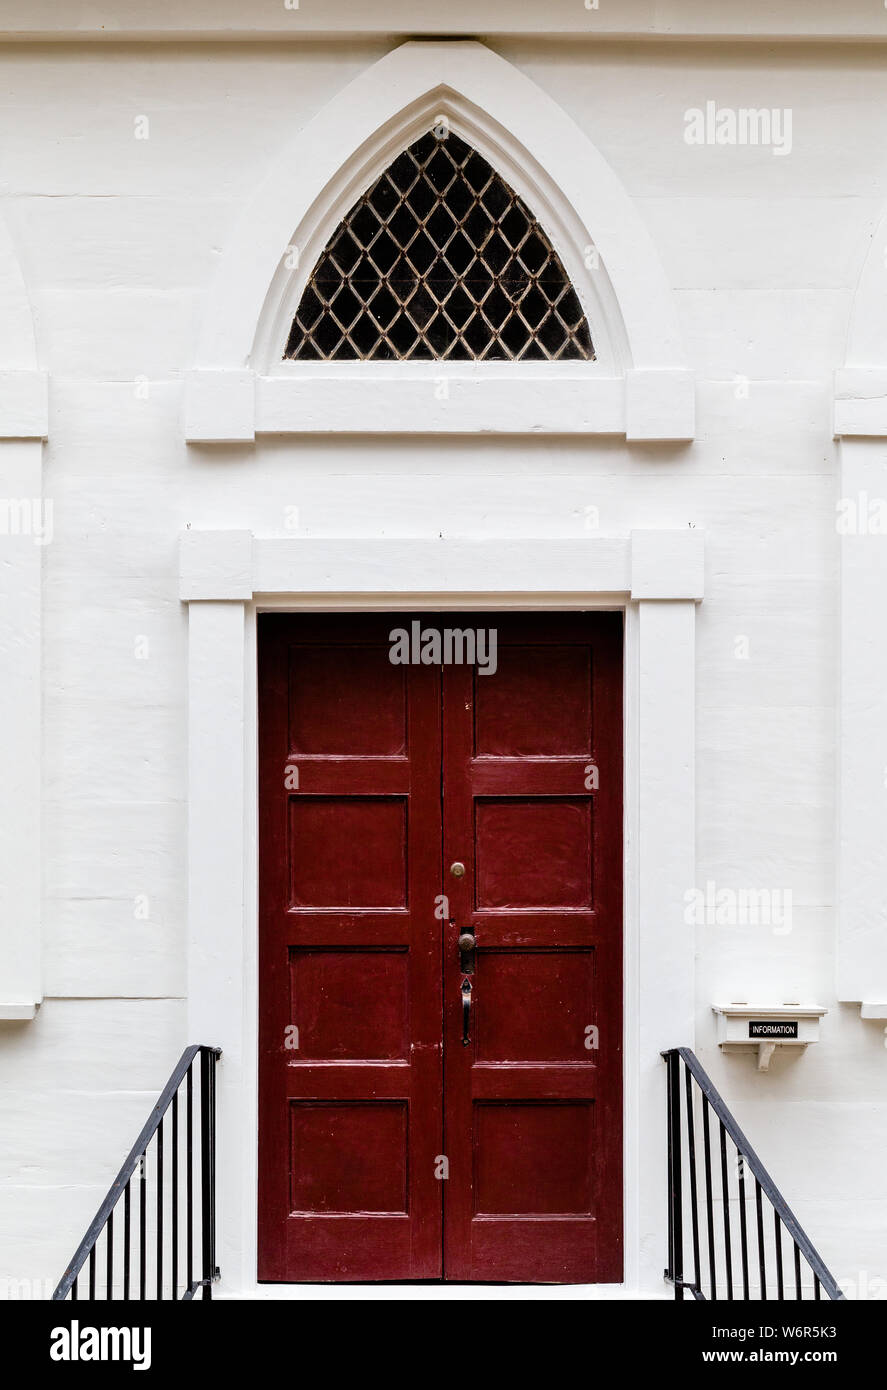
(431,1111)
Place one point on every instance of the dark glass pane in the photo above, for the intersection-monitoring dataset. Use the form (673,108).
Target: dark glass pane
(327,335)
(552,334)
(345,250)
(402,279)
(478,280)
(383,252)
(440,334)
(383,351)
(424,148)
(570,309)
(534,253)
(477,335)
(421,198)
(310,309)
(422,253)
(305,352)
(533,306)
(440,258)
(460,307)
(460,352)
(384,307)
(403,171)
(440,170)
(478,172)
(457,149)
(496,253)
(497,307)
(364,225)
(364,334)
(402,334)
(515,335)
(440,225)
(383,197)
(496,198)
(346,306)
(477,225)
(440,280)
(403,225)
(460,253)
(460,198)
(422,307)
(514,227)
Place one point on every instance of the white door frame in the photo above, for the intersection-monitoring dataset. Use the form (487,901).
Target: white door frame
(227,577)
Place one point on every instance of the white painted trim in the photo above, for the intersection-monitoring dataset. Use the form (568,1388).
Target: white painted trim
(668,564)
(223,21)
(663,762)
(861,421)
(593,223)
(235,406)
(648,564)
(24,404)
(442,401)
(19,1012)
(20,725)
(23,423)
(860,401)
(24,411)
(860,406)
(223,830)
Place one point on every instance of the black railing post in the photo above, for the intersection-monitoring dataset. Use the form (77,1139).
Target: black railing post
(691,1164)
(675,1175)
(709,1201)
(207,1175)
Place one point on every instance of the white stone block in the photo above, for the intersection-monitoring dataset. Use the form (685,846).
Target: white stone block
(660,403)
(220,406)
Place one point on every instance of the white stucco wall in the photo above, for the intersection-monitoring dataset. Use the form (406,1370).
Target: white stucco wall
(118,238)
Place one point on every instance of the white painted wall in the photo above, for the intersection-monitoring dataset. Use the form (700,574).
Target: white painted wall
(118,239)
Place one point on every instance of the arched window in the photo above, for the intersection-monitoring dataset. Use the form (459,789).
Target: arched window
(439,260)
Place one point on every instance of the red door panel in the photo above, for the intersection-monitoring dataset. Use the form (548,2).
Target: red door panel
(350,1118)
(533,809)
(401,771)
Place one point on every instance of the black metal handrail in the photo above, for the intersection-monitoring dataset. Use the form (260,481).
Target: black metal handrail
(718,1237)
(149,1234)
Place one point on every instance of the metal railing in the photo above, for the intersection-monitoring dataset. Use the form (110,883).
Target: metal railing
(149,1251)
(729,1248)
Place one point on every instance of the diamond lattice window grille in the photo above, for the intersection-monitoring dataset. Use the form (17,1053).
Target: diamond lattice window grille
(439,260)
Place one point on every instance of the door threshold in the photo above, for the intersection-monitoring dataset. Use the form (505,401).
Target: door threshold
(436,1289)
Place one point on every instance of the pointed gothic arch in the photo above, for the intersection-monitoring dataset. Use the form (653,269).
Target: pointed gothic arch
(638,383)
(439,260)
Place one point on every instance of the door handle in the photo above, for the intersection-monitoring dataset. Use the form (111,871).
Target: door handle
(467,943)
(466,1012)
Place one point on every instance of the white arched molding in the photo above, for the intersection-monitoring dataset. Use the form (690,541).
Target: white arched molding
(860,422)
(639,385)
(25,527)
